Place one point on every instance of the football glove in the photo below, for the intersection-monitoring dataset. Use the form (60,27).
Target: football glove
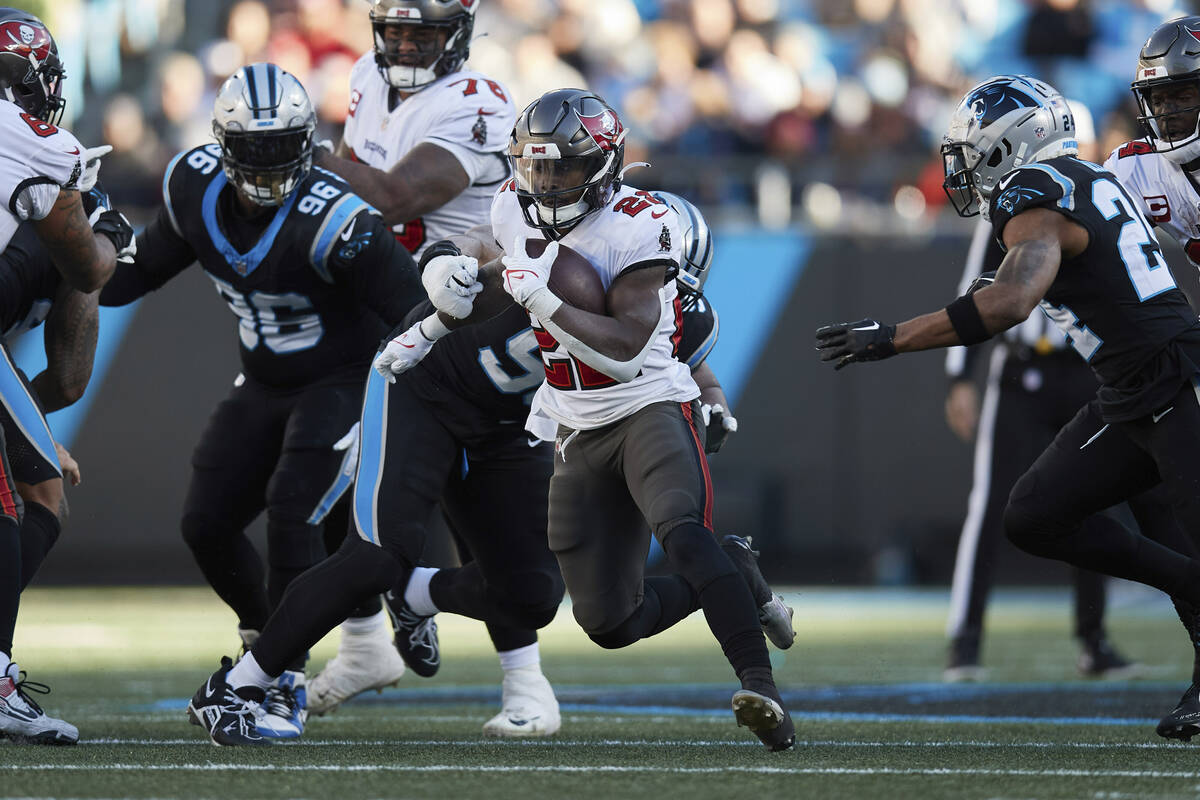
(718,424)
(91,166)
(525,278)
(405,351)
(986,279)
(847,342)
(113,224)
(93,201)
(450,281)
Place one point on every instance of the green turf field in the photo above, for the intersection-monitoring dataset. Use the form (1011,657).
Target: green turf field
(862,681)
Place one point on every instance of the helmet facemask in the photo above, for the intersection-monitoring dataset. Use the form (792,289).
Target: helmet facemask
(558,192)
(413,53)
(1170,115)
(266,167)
(958,163)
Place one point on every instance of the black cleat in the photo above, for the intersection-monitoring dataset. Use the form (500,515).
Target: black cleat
(416,636)
(1184,722)
(1099,659)
(226,714)
(763,713)
(774,615)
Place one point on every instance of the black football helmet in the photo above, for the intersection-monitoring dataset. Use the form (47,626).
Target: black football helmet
(412,70)
(566,152)
(1168,73)
(31,73)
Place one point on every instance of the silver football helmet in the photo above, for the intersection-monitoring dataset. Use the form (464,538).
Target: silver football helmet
(1167,88)
(697,247)
(566,153)
(1001,124)
(416,60)
(264,122)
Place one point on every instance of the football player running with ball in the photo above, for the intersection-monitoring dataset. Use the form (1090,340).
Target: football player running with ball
(622,410)
(1078,245)
(44,172)
(314,279)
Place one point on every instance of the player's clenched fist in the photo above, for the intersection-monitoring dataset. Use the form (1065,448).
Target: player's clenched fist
(847,342)
(525,278)
(402,353)
(450,281)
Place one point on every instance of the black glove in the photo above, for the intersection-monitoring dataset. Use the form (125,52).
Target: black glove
(113,224)
(718,424)
(986,279)
(94,198)
(847,342)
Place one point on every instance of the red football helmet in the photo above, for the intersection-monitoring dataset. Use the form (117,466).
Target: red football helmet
(31,72)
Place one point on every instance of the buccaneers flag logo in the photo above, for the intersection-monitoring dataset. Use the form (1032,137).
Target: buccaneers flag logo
(605,129)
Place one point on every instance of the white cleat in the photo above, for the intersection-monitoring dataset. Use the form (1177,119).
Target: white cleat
(362,663)
(22,720)
(529,707)
(776,620)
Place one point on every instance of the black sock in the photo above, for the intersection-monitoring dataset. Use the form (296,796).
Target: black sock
(10,580)
(39,531)
(461,590)
(367,608)
(732,618)
(505,638)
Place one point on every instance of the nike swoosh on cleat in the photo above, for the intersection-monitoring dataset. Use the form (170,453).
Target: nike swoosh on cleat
(208,690)
(874,327)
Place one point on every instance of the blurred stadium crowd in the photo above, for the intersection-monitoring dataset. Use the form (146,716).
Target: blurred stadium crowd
(826,111)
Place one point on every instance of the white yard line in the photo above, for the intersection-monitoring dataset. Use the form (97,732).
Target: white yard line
(609,768)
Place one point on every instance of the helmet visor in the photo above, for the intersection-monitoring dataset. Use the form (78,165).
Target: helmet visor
(555,181)
(959,184)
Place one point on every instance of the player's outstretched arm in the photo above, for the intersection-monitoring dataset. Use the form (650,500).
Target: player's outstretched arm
(1037,241)
(71,331)
(162,254)
(84,256)
(426,179)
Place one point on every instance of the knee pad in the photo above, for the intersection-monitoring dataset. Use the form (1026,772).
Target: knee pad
(695,554)
(374,568)
(623,635)
(528,599)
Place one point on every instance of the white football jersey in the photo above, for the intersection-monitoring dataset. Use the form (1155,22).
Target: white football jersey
(634,230)
(463,112)
(1168,197)
(36,160)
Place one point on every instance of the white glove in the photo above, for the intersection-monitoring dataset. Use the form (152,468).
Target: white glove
(91,166)
(718,424)
(349,440)
(450,282)
(406,350)
(324,144)
(525,278)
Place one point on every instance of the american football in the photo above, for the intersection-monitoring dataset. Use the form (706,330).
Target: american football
(573,278)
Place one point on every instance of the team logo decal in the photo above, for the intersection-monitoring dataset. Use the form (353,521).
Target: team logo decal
(605,129)
(664,239)
(1011,197)
(479,129)
(25,39)
(1195,34)
(995,100)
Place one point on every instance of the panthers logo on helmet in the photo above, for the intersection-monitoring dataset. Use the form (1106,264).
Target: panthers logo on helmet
(604,128)
(994,101)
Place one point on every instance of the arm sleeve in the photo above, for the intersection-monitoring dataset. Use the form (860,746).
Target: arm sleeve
(383,274)
(161,255)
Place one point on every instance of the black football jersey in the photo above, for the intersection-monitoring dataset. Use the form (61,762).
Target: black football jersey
(314,285)
(1116,303)
(29,283)
(483,376)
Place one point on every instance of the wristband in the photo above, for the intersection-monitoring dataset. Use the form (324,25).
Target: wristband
(964,316)
(432,327)
(442,247)
(543,303)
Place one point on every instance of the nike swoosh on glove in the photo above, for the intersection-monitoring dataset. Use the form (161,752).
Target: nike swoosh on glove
(847,342)
(90,158)
(450,281)
(402,353)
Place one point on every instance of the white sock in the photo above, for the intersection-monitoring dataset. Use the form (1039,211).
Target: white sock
(363,626)
(247,672)
(521,657)
(5,660)
(417,593)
